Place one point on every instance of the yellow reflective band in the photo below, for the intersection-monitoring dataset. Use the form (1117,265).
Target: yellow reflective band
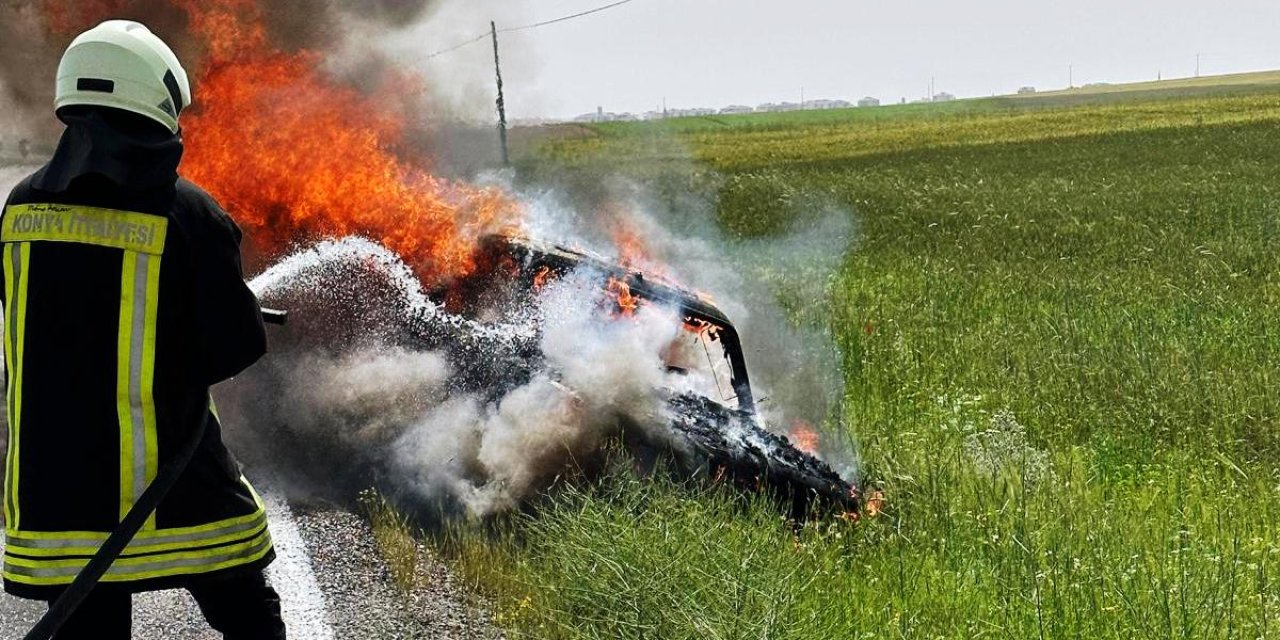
(10,337)
(135,377)
(124,361)
(151,456)
(38,572)
(12,275)
(16,267)
(126,230)
(15,536)
(185,554)
(168,543)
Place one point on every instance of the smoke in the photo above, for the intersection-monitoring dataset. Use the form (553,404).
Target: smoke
(600,377)
(351,398)
(359,38)
(776,289)
(338,409)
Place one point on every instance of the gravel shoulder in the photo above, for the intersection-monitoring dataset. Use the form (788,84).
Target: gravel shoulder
(353,577)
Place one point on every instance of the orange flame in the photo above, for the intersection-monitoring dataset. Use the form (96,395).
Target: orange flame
(295,155)
(874,505)
(633,251)
(804,437)
(620,291)
(544,276)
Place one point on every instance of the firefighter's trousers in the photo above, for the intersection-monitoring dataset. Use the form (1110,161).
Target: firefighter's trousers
(241,607)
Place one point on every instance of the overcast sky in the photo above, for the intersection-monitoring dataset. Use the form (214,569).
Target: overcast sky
(713,53)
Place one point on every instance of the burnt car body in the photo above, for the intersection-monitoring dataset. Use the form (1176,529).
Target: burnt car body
(351,296)
(719,433)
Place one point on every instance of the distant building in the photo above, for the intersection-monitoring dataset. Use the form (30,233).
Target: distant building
(736,109)
(777,107)
(827,104)
(869,102)
(943,97)
(602,116)
(690,113)
(1022,91)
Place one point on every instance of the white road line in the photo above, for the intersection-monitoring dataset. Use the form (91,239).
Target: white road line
(305,612)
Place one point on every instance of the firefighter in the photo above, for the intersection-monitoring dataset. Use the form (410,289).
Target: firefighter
(124,301)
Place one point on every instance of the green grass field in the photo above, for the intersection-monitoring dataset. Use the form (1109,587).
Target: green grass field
(1061,340)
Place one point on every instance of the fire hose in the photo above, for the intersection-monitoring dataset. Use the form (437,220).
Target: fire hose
(71,599)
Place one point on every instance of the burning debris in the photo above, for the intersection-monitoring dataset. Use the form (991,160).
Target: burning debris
(474,397)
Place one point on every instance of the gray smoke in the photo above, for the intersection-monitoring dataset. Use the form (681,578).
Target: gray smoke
(356,37)
(337,410)
(791,353)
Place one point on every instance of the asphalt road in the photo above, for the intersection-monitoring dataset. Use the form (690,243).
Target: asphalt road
(332,583)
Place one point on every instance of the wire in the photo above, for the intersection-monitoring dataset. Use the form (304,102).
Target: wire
(459,46)
(527,27)
(566,18)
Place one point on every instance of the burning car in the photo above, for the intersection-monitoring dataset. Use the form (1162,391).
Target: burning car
(354,295)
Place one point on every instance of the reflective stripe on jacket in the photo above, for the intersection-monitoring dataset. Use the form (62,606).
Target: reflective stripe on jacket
(120,310)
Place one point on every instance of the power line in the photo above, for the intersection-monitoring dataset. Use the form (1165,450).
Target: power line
(459,46)
(527,27)
(567,18)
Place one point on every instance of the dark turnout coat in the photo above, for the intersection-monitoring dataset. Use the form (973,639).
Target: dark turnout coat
(124,301)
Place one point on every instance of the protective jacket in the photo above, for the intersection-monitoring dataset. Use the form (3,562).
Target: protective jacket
(124,301)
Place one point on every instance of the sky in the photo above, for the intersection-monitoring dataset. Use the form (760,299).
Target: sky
(714,53)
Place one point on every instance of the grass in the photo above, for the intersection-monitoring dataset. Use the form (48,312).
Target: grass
(396,540)
(1059,331)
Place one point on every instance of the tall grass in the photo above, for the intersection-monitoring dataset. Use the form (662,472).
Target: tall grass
(1059,334)
(396,539)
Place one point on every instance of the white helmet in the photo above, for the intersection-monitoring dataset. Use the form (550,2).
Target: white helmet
(121,64)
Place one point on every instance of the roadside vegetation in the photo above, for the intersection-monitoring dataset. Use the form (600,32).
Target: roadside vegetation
(396,538)
(1060,336)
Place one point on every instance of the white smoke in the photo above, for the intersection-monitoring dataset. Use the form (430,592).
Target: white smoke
(378,404)
(792,357)
(599,370)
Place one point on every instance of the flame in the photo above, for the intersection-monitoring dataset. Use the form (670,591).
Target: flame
(804,437)
(544,276)
(620,291)
(295,155)
(874,505)
(633,250)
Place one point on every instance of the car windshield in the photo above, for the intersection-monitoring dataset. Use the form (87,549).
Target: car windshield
(698,355)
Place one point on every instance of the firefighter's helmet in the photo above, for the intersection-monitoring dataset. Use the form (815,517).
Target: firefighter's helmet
(121,64)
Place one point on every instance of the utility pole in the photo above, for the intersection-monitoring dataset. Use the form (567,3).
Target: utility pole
(1197,65)
(1071,76)
(502,101)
